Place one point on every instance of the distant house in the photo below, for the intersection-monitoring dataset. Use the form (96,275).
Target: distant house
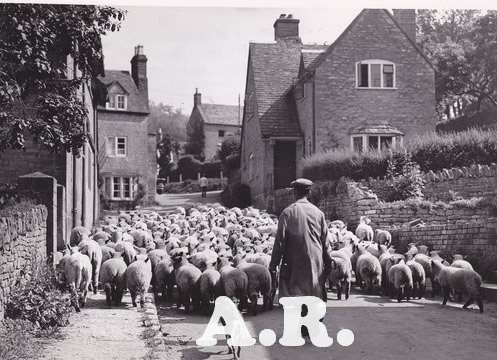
(215,122)
(372,88)
(128,155)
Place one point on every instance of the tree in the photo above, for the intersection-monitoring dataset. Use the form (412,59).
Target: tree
(38,92)
(230,146)
(168,155)
(196,143)
(462,46)
(166,117)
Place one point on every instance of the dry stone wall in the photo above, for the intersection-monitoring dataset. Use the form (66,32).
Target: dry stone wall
(22,239)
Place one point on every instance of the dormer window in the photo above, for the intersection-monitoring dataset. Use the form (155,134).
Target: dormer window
(375,74)
(117,102)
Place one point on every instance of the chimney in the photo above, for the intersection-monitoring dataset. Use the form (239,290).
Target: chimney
(406,18)
(139,70)
(197,98)
(286,27)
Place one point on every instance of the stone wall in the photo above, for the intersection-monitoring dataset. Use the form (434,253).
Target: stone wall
(22,239)
(465,182)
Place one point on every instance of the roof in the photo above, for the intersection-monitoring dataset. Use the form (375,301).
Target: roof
(274,67)
(215,114)
(319,59)
(309,55)
(137,101)
(385,128)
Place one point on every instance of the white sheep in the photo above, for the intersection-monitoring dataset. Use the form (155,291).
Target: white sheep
(382,237)
(107,253)
(209,287)
(128,251)
(113,279)
(364,231)
(94,252)
(369,269)
(78,234)
(187,278)
(164,278)
(425,261)
(77,269)
(340,275)
(418,278)
(400,279)
(462,264)
(259,281)
(459,280)
(138,277)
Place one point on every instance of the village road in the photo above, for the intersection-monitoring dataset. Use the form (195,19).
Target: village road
(170,201)
(383,329)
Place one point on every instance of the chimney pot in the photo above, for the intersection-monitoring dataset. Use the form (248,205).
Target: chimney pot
(282,16)
(286,28)
(197,98)
(139,50)
(290,16)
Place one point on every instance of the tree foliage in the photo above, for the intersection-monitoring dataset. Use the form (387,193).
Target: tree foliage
(462,45)
(39,92)
(196,143)
(230,146)
(170,120)
(168,151)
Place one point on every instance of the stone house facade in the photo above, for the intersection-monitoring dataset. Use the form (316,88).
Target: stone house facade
(216,122)
(76,177)
(371,89)
(128,155)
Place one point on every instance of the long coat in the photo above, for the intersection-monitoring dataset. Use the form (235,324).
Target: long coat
(302,247)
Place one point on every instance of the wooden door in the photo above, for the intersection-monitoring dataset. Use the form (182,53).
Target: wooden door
(285,169)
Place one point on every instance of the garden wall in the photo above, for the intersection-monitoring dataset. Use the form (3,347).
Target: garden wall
(22,239)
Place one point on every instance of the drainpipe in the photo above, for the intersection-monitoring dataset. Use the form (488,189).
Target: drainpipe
(313,115)
(83,166)
(74,192)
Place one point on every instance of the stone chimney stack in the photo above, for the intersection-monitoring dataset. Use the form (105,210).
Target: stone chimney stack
(406,18)
(197,98)
(286,27)
(139,70)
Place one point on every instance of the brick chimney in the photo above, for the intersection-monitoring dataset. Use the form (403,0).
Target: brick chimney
(406,18)
(139,69)
(286,27)
(197,98)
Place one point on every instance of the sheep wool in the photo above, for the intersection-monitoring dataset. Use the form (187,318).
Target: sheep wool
(400,278)
(164,278)
(138,277)
(113,280)
(418,278)
(209,287)
(233,282)
(187,278)
(369,268)
(77,268)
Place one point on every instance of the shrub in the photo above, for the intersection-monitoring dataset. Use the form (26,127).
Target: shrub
(38,300)
(139,196)
(431,152)
(484,263)
(189,167)
(211,169)
(17,339)
(230,146)
(405,179)
(236,195)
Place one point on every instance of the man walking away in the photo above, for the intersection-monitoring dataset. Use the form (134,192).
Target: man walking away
(203,185)
(302,248)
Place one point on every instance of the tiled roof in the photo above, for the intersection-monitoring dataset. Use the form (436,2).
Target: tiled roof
(310,55)
(275,66)
(368,128)
(221,114)
(137,102)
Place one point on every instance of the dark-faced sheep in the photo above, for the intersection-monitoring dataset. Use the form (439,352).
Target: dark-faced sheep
(458,280)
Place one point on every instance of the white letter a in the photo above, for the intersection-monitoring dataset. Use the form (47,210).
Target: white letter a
(235,326)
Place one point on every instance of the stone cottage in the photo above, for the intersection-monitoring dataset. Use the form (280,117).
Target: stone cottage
(371,89)
(216,123)
(128,155)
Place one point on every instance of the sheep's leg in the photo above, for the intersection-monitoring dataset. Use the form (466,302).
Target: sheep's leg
(433,286)
(118,295)
(369,285)
(459,296)
(94,276)
(243,304)
(400,294)
(142,299)
(186,301)
(74,297)
(347,290)
(415,289)
(330,285)
(265,302)
(253,301)
(339,290)
(469,302)
(180,298)
(446,295)
(170,288)
(479,302)
(108,295)
(133,298)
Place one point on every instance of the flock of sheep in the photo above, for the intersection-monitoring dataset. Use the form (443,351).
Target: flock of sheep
(211,250)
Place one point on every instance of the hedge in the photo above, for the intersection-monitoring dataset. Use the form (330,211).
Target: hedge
(431,151)
(192,186)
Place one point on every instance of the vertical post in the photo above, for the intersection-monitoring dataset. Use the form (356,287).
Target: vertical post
(180,178)
(167,179)
(198,176)
(222,175)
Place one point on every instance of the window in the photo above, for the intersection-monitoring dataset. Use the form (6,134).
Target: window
(116,146)
(122,188)
(375,74)
(117,102)
(221,133)
(375,142)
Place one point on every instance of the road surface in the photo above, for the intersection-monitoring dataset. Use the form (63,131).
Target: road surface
(170,201)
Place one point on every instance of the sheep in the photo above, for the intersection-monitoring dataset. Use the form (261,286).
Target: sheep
(258,258)
(164,277)
(113,279)
(382,237)
(155,257)
(369,269)
(78,234)
(400,277)
(138,277)
(425,261)
(77,269)
(364,231)
(259,281)
(233,282)
(129,252)
(340,275)
(187,278)
(462,264)
(107,253)
(209,287)
(418,278)
(94,252)
(386,262)
(459,280)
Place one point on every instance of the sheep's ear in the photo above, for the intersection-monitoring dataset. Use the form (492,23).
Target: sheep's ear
(147,259)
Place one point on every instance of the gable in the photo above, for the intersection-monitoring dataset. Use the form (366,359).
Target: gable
(116,88)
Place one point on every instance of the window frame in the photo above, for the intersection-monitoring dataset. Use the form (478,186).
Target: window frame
(380,62)
(113,102)
(115,152)
(223,133)
(397,141)
(119,180)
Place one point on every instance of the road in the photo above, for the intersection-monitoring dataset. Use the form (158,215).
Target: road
(170,201)
(383,329)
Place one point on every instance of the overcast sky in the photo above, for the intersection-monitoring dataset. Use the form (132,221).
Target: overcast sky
(207,47)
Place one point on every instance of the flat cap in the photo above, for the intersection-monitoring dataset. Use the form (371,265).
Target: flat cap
(301,183)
